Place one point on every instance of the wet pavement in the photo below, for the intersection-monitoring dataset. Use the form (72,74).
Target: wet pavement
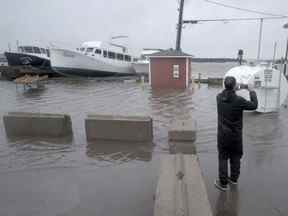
(262,188)
(73,177)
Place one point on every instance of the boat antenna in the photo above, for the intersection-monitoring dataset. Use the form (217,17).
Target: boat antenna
(157,49)
(124,48)
(119,36)
(52,45)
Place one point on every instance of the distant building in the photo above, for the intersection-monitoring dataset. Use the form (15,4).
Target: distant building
(170,69)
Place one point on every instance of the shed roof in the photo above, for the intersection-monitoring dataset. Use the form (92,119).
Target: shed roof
(170,53)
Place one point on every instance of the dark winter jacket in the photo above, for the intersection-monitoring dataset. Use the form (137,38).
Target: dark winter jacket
(230,114)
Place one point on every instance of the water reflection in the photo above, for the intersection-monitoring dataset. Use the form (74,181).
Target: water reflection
(167,105)
(227,202)
(119,152)
(34,152)
(262,132)
(263,128)
(40,141)
(33,92)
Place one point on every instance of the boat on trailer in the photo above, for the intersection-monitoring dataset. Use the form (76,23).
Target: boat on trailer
(141,66)
(35,56)
(93,59)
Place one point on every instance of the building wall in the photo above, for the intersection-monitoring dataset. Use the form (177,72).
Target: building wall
(162,72)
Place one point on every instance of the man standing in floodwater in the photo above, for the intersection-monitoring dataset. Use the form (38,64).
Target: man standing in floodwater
(230,109)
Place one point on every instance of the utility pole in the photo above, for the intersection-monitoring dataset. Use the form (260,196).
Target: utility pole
(17,44)
(274,53)
(285,60)
(286,54)
(179,26)
(260,39)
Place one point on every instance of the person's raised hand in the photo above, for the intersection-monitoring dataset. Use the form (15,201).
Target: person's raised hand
(250,87)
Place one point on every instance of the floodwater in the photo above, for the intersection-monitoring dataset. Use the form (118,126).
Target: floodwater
(73,177)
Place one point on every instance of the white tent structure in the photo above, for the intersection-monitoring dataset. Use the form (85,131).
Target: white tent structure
(270,85)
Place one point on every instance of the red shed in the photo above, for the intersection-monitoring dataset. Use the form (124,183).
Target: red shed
(170,69)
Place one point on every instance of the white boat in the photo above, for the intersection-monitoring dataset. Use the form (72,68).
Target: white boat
(92,59)
(270,85)
(141,66)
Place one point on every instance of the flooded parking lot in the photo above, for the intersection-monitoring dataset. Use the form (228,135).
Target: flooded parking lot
(73,177)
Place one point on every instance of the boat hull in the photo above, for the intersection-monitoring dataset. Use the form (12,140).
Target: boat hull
(20,59)
(72,63)
(86,72)
(141,67)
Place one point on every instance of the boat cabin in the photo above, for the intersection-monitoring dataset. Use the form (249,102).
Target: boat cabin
(34,50)
(109,51)
(3,60)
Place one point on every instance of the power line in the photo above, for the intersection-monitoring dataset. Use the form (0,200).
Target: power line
(244,9)
(196,21)
(231,19)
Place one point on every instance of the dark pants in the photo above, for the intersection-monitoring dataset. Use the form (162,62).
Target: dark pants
(234,167)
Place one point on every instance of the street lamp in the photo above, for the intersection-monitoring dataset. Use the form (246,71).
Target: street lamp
(286,54)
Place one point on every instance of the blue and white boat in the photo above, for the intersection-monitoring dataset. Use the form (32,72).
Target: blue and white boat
(29,55)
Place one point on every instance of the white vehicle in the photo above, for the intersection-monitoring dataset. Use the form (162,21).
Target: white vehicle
(270,85)
(142,64)
(92,59)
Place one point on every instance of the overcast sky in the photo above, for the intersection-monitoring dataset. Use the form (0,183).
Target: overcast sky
(148,23)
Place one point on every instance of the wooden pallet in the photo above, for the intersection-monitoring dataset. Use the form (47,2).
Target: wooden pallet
(30,81)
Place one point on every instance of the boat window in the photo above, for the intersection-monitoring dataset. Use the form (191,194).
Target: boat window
(120,56)
(36,50)
(111,55)
(82,49)
(28,49)
(127,58)
(105,53)
(48,52)
(98,51)
(43,51)
(3,59)
(89,49)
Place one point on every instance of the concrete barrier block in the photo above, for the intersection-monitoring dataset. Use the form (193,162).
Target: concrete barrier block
(165,192)
(197,196)
(18,124)
(183,130)
(181,189)
(122,128)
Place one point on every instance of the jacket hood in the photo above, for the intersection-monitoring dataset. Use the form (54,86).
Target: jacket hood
(227,95)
